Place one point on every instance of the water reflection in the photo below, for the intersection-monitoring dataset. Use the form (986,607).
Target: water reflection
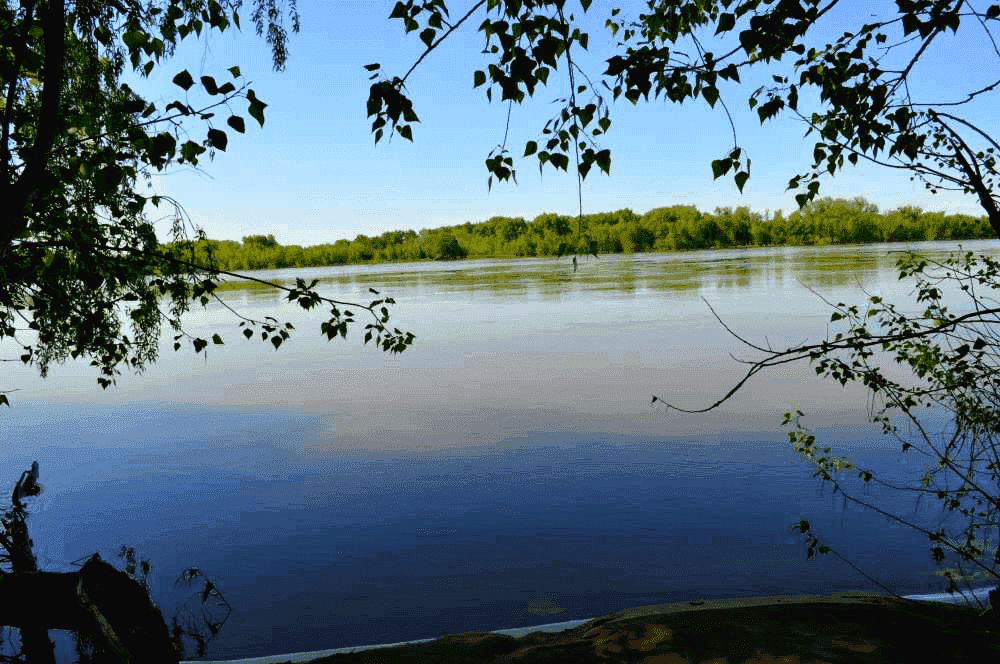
(826,267)
(649,305)
(508,465)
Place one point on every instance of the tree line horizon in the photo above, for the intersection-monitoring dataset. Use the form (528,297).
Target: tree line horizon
(824,221)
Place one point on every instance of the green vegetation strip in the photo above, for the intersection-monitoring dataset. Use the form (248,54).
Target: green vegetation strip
(678,228)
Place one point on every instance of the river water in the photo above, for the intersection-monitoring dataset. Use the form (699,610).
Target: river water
(507,470)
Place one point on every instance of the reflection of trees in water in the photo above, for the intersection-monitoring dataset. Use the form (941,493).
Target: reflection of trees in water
(109,612)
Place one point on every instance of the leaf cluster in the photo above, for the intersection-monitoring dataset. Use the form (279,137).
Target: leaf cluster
(953,360)
(526,40)
(688,50)
(82,275)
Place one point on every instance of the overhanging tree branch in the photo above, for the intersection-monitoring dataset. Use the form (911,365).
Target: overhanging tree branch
(811,351)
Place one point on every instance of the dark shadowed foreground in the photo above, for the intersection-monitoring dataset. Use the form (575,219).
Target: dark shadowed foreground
(801,629)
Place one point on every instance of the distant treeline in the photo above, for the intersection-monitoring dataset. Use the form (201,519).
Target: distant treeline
(677,228)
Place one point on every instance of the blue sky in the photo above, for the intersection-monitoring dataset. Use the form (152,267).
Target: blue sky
(313,173)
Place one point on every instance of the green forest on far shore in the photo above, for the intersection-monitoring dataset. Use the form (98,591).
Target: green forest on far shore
(677,228)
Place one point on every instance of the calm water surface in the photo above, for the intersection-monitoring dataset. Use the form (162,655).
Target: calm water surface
(507,470)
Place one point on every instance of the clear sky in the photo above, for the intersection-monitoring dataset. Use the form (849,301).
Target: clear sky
(313,173)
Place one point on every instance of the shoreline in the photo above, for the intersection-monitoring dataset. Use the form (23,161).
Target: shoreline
(982,594)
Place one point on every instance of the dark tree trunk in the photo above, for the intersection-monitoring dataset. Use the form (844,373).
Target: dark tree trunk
(42,600)
(35,643)
(99,600)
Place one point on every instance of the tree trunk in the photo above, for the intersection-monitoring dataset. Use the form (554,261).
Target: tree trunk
(30,184)
(42,599)
(99,600)
(36,646)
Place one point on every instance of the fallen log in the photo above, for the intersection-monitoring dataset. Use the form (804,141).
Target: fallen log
(99,601)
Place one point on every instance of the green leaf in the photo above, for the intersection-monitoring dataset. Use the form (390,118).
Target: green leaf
(134,39)
(399,11)
(218,139)
(720,167)
(530,148)
(427,36)
(184,80)
(711,95)
(190,151)
(236,122)
(726,23)
(993,11)
(603,159)
(209,84)
(164,145)
(730,73)
(103,35)
(478,78)
(217,340)
(235,71)
(183,109)
(405,132)
(741,179)
(256,107)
